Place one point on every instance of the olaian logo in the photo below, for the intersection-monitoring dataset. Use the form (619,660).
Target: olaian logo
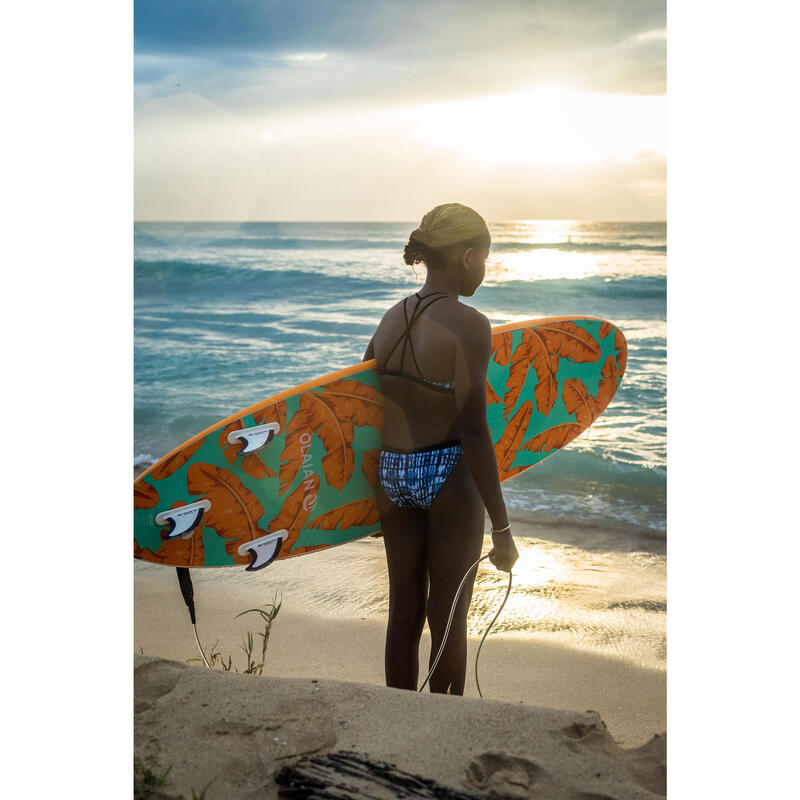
(310,496)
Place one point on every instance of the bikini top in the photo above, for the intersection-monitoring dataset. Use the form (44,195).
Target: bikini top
(438,386)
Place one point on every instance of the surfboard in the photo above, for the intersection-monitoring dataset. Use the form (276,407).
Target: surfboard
(296,473)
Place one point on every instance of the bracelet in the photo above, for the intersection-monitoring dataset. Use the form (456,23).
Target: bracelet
(502,530)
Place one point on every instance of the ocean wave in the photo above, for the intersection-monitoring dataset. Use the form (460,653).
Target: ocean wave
(213,281)
(191,271)
(636,287)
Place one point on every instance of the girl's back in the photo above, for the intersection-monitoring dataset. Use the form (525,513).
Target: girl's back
(416,349)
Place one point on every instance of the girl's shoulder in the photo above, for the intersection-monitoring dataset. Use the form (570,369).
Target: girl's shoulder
(457,316)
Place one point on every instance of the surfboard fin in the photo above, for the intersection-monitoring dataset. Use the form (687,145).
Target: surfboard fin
(183,520)
(264,550)
(254,439)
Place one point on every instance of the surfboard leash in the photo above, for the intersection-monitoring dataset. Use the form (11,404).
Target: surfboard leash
(450,620)
(187,590)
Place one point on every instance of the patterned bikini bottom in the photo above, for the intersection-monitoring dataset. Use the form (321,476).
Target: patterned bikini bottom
(412,478)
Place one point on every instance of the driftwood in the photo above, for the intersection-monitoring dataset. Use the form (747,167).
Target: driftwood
(346,775)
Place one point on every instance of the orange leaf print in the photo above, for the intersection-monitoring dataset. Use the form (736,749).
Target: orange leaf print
(295,511)
(252,464)
(369,466)
(621,346)
(506,449)
(605,329)
(296,444)
(491,395)
(579,402)
(554,438)
(234,511)
(501,347)
(275,412)
(176,461)
(532,351)
(332,416)
(190,551)
(355,400)
(337,434)
(144,495)
(568,340)
(584,406)
(357,513)
(151,555)
(608,384)
(514,471)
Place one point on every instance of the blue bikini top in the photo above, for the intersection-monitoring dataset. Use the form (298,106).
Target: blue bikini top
(438,386)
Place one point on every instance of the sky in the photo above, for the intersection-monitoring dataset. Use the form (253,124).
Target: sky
(363,110)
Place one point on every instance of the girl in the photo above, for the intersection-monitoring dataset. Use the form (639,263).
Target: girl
(437,467)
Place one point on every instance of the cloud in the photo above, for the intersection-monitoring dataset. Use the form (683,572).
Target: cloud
(259,109)
(247,54)
(304,57)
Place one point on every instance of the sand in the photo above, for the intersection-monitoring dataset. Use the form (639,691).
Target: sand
(241,733)
(555,722)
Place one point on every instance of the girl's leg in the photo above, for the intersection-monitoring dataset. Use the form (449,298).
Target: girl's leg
(404,537)
(455,537)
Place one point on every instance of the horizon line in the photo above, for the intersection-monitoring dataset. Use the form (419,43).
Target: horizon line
(382,221)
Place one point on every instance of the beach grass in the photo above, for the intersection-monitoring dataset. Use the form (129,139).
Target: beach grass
(254,666)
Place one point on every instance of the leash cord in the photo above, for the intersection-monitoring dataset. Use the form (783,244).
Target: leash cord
(450,620)
(478,654)
(197,639)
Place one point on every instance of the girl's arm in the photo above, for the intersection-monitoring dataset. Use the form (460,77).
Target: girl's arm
(473,351)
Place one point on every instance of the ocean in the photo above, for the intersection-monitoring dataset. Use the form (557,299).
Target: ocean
(227,314)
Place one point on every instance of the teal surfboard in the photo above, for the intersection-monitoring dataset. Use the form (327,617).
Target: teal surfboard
(296,472)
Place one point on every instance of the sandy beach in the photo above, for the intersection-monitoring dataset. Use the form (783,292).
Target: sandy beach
(536,682)
(249,737)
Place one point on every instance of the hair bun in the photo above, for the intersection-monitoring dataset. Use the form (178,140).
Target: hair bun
(415,251)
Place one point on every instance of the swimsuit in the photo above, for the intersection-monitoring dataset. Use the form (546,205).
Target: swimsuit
(412,478)
(439,386)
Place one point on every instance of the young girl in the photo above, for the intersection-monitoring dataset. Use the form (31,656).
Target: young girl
(437,468)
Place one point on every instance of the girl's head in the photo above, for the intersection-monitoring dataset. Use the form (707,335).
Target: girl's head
(452,238)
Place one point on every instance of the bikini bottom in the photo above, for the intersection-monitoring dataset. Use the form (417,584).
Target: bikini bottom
(412,478)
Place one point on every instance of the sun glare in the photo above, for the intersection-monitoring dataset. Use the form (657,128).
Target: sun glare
(546,126)
(539,265)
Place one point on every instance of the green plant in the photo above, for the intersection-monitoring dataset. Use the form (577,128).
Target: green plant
(268,613)
(145,781)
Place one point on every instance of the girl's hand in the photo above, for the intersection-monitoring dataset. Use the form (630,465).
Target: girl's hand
(504,553)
